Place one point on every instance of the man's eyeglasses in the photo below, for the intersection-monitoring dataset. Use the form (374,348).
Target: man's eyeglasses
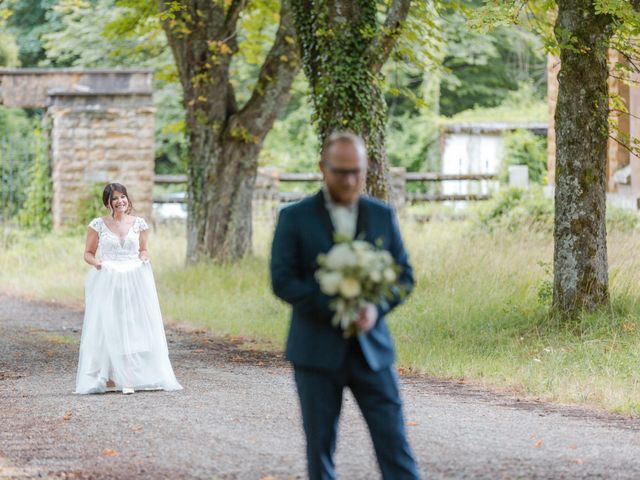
(344,172)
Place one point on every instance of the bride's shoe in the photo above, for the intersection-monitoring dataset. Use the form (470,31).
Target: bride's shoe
(127,390)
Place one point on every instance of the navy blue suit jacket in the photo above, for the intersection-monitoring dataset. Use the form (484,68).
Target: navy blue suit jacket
(304,231)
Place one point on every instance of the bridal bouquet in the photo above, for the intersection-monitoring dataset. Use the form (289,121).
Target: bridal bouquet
(355,273)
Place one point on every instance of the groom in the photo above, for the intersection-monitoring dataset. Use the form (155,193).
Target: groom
(324,361)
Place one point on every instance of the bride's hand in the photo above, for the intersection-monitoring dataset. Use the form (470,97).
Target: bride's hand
(144,257)
(98,264)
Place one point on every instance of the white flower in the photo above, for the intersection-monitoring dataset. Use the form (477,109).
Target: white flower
(350,288)
(339,257)
(360,245)
(375,276)
(386,258)
(330,282)
(389,275)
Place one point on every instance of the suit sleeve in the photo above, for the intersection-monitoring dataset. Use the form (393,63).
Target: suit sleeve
(405,282)
(286,276)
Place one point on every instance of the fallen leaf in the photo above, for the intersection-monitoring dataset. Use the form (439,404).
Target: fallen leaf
(198,350)
(628,327)
(533,435)
(402,371)
(269,477)
(137,428)
(107,452)
(67,416)
(539,443)
(579,461)
(573,446)
(461,381)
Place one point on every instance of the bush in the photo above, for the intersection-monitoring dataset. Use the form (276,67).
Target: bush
(622,220)
(90,205)
(522,147)
(36,210)
(515,209)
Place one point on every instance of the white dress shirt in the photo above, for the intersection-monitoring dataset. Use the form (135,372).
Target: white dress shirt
(343,217)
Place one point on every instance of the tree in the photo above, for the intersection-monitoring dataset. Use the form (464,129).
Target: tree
(582,132)
(28,20)
(585,31)
(582,34)
(344,46)
(481,68)
(224,138)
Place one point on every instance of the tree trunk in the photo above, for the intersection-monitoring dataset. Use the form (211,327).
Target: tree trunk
(581,118)
(343,49)
(224,139)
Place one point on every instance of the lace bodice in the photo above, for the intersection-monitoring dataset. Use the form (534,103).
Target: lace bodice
(113,247)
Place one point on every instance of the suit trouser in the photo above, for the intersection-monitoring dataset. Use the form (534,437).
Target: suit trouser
(378,397)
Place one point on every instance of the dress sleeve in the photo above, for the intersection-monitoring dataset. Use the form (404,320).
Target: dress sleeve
(142,225)
(96,224)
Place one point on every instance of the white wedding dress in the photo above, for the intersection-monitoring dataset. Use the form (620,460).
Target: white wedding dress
(122,336)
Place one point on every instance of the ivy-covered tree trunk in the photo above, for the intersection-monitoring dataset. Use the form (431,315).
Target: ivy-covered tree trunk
(224,138)
(343,49)
(582,131)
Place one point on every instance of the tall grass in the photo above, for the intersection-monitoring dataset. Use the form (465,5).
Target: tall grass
(479,312)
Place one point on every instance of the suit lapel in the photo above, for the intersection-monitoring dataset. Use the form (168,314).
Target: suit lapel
(325,218)
(363,219)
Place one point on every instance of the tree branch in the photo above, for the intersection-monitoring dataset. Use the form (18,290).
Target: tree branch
(625,146)
(232,16)
(271,92)
(383,45)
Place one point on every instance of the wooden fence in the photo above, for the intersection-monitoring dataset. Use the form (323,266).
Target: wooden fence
(268,186)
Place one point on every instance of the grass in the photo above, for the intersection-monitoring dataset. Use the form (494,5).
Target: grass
(479,311)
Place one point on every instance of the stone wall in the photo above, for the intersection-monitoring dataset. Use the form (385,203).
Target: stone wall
(31,87)
(100,138)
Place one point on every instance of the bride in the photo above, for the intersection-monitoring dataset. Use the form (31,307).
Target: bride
(123,345)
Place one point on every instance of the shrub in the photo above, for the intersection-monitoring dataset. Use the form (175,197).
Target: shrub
(523,147)
(36,210)
(514,209)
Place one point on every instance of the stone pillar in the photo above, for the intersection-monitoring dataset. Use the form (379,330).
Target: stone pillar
(553,67)
(398,184)
(634,133)
(266,197)
(100,137)
(618,155)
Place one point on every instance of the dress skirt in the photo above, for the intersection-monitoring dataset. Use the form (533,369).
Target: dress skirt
(123,335)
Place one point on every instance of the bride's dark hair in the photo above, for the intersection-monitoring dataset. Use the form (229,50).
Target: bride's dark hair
(108,193)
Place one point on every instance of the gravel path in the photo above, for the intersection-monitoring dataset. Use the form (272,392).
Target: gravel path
(238,418)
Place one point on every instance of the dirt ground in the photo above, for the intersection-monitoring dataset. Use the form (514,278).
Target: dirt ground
(238,418)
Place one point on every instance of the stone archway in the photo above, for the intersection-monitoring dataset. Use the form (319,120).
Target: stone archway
(101,125)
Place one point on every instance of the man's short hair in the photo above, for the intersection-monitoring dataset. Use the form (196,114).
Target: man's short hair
(345,137)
